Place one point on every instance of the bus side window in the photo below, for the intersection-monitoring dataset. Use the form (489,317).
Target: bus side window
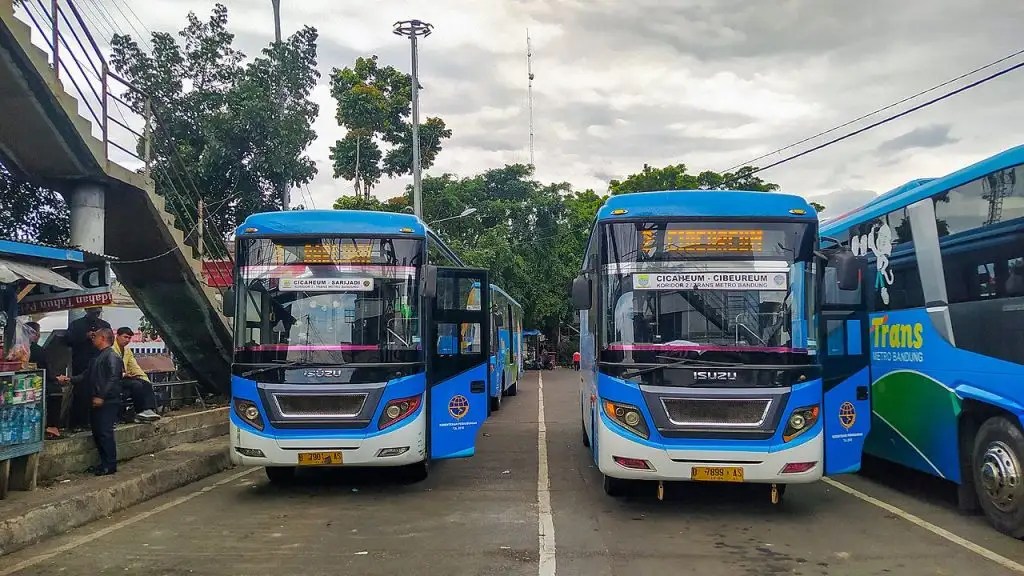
(835,337)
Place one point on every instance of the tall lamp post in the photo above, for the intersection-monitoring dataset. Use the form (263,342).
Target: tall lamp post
(464,213)
(414,29)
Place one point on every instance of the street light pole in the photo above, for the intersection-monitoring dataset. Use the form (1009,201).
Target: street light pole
(280,93)
(413,29)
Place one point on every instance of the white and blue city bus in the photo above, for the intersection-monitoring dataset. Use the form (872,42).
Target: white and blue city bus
(700,359)
(945,333)
(359,341)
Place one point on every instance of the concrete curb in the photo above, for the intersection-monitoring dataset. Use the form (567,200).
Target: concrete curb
(182,465)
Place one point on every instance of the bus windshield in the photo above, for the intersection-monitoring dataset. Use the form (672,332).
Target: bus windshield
(328,301)
(734,287)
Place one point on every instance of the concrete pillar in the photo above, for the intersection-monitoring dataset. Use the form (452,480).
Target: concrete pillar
(87,226)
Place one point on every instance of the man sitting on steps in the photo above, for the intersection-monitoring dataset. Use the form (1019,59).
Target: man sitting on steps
(135,381)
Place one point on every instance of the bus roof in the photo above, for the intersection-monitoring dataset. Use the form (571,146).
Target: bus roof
(724,203)
(916,190)
(332,222)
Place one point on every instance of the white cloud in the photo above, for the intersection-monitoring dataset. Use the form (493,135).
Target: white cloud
(709,83)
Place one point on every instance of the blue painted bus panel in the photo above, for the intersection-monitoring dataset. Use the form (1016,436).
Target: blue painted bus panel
(404,387)
(456,414)
(919,385)
(622,391)
(847,423)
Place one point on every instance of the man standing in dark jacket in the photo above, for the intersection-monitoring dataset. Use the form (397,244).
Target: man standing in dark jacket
(103,380)
(82,352)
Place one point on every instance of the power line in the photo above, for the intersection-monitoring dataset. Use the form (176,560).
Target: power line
(878,111)
(884,120)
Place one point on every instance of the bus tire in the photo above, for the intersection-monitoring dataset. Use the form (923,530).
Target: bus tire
(280,475)
(615,487)
(583,429)
(514,388)
(496,401)
(998,474)
(417,472)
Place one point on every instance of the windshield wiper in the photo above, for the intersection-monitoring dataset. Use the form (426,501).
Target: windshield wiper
(278,364)
(679,362)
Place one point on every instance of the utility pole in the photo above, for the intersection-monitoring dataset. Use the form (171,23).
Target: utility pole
(529,73)
(280,94)
(413,29)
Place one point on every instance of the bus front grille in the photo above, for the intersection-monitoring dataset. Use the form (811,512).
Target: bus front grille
(319,405)
(717,412)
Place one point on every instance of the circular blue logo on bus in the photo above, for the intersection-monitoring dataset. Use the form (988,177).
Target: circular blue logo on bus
(458,406)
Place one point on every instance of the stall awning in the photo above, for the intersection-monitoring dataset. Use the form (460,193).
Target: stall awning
(11,272)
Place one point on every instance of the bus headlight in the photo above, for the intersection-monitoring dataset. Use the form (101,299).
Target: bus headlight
(249,413)
(397,410)
(800,421)
(627,416)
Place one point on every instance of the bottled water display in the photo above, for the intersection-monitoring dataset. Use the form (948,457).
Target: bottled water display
(21,408)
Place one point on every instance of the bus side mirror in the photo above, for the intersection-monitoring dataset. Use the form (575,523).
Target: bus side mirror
(848,269)
(229,303)
(429,281)
(581,292)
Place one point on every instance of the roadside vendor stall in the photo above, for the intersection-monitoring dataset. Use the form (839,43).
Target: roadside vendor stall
(26,269)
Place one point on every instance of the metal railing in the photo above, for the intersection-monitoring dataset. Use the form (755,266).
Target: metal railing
(126,117)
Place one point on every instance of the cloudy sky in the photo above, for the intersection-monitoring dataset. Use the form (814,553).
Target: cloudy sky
(709,83)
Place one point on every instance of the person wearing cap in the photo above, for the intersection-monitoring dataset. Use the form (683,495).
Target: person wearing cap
(135,381)
(79,339)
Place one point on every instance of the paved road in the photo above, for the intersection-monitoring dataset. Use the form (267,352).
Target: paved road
(481,516)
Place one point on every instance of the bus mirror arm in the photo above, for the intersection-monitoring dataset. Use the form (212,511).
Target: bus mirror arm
(581,292)
(229,302)
(429,281)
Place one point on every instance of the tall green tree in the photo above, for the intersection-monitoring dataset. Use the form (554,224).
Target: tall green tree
(676,177)
(374,105)
(232,130)
(32,213)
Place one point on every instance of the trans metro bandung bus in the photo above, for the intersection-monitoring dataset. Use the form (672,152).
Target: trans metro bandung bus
(699,323)
(359,341)
(943,331)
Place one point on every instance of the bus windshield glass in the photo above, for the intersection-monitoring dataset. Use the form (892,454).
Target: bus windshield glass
(739,291)
(328,301)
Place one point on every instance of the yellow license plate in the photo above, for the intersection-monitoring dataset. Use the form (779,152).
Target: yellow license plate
(320,459)
(717,473)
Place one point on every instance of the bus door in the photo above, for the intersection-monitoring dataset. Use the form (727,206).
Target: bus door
(458,347)
(844,354)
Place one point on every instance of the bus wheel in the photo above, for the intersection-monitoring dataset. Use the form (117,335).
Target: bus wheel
(280,475)
(496,402)
(514,388)
(615,487)
(998,475)
(417,472)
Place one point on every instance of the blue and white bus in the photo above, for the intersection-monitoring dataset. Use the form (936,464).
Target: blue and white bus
(699,343)
(945,333)
(360,340)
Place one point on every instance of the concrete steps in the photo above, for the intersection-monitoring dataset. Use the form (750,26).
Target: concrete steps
(44,139)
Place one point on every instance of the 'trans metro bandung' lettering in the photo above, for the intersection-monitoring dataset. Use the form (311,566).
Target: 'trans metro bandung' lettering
(896,342)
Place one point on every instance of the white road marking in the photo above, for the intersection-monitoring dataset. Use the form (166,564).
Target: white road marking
(941,532)
(86,538)
(545,519)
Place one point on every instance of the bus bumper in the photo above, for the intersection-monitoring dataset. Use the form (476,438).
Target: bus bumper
(675,464)
(356,451)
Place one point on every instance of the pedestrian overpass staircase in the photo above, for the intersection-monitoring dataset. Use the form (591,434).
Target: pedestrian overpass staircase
(66,120)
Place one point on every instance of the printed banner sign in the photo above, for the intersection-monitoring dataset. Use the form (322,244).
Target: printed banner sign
(326,284)
(96,283)
(712,281)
